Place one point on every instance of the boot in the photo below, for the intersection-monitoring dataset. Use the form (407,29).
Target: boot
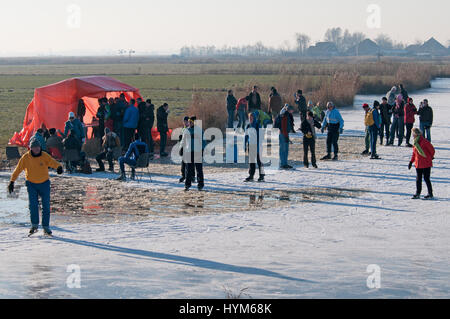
(182,179)
(326,157)
(33,230)
(261,178)
(133,174)
(381,141)
(429,197)
(122,177)
(249,179)
(335,158)
(47,231)
(417,196)
(111,168)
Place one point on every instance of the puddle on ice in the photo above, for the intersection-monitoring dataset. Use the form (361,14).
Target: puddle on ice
(105,201)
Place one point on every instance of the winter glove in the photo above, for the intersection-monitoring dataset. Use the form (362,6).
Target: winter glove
(59,170)
(11,187)
(410,165)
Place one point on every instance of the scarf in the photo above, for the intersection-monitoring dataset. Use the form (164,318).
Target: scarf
(418,148)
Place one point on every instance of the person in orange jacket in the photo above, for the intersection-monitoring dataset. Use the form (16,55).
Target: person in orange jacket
(36,164)
(422,158)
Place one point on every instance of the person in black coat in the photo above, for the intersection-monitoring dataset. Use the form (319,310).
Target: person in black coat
(308,129)
(161,117)
(426,119)
(254,102)
(101,115)
(300,100)
(386,114)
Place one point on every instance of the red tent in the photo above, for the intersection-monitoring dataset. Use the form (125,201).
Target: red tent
(51,104)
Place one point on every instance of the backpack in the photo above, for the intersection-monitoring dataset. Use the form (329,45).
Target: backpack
(369,121)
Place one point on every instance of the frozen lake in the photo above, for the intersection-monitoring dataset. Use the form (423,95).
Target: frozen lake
(316,248)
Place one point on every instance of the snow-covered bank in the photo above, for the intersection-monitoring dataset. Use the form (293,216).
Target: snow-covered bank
(308,248)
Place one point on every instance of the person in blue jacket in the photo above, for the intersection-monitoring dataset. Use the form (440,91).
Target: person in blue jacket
(39,135)
(374,129)
(130,123)
(74,125)
(334,123)
(136,149)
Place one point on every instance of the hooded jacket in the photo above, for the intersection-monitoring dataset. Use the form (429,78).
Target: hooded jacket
(420,161)
(410,111)
(391,96)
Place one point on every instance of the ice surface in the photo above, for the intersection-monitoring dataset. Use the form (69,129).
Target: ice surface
(318,248)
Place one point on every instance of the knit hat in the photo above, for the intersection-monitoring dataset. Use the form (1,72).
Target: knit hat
(34,143)
(186,118)
(365,105)
(71,115)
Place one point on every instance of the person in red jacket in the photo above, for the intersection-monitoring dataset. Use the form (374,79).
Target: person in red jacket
(422,158)
(410,111)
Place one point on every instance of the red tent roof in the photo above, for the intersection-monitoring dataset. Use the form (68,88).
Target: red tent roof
(52,103)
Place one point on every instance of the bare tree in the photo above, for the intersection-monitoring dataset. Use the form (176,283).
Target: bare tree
(303,42)
(384,41)
(350,40)
(334,35)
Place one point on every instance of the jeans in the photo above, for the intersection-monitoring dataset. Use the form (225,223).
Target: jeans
(124,160)
(384,129)
(145,132)
(163,142)
(367,139)
(252,169)
(397,127)
(425,127)
(332,140)
(109,155)
(309,143)
(34,191)
(373,131)
(284,150)
(128,138)
(230,119)
(409,127)
(424,173)
(241,115)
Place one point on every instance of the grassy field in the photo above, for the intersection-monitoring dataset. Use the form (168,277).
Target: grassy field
(175,83)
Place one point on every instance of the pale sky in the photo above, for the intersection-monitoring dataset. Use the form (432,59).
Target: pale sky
(104,26)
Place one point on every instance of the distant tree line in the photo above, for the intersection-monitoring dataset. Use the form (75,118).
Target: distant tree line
(343,39)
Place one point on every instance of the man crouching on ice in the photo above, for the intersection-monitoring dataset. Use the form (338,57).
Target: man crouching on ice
(36,164)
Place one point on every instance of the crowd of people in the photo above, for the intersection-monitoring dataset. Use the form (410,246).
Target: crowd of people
(125,131)
(391,117)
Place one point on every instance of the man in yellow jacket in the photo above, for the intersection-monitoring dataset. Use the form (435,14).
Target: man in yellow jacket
(36,164)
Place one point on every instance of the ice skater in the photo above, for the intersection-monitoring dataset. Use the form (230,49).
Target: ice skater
(422,158)
(36,164)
